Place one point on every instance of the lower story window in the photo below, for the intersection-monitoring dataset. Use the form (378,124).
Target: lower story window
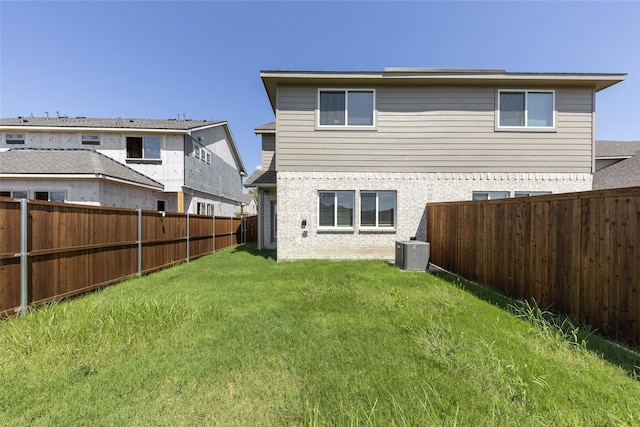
(531,193)
(377,209)
(335,208)
(51,196)
(490,195)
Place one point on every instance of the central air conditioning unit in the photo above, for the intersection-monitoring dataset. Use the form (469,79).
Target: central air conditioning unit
(412,255)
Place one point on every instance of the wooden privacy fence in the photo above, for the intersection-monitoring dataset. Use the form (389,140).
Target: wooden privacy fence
(55,250)
(578,254)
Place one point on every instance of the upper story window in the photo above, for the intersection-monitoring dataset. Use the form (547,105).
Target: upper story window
(90,139)
(14,138)
(335,208)
(526,109)
(346,107)
(147,147)
(202,154)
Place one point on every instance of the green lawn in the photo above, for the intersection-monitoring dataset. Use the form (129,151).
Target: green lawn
(236,339)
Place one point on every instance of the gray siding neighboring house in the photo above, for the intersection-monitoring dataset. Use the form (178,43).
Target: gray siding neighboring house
(353,149)
(194,165)
(617,164)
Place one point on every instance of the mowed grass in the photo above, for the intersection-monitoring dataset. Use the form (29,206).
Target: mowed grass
(237,339)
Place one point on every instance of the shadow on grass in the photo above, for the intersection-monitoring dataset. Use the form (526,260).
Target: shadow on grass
(619,354)
(252,249)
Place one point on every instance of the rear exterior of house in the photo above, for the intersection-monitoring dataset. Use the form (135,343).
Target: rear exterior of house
(358,155)
(188,166)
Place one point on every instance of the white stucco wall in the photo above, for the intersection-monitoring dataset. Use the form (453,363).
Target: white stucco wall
(92,192)
(298,201)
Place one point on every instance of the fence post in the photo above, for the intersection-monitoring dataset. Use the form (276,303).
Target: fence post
(213,244)
(24,270)
(139,242)
(187,236)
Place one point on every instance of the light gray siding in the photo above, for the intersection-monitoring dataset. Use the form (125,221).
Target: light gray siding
(268,152)
(434,129)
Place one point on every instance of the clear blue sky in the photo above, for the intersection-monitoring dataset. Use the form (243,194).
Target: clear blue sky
(157,59)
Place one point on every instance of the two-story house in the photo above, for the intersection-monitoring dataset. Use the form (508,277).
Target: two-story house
(358,155)
(188,166)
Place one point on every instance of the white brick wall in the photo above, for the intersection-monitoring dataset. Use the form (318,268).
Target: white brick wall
(298,201)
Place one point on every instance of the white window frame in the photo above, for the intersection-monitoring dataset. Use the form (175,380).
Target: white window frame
(90,139)
(335,225)
(377,211)
(49,192)
(526,110)
(489,193)
(144,158)
(346,124)
(531,193)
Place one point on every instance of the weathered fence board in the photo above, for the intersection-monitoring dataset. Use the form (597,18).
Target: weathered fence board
(576,253)
(76,248)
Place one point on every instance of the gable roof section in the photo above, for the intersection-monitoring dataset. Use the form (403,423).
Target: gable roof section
(248,198)
(260,178)
(69,164)
(625,173)
(433,76)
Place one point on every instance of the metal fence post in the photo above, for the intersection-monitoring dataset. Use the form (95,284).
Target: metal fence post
(213,243)
(139,242)
(187,236)
(24,270)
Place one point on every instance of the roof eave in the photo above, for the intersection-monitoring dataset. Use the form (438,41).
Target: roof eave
(600,81)
(78,176)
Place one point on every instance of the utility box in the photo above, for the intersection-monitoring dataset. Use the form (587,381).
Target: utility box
(412,255)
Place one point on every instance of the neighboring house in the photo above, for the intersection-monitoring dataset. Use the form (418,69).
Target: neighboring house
(264,179)
(617,164)
(189,166)
(354,157)
(248,207)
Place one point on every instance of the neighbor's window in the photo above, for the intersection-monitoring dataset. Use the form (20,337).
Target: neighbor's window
(51,196)
(531,193)
(490,195)
(339,107)
(14,138)
(91,139)
(377,209)
(526,108)
(147,147)
(335,208)
(19,194)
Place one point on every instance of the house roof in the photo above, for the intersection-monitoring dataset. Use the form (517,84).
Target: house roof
(70,164)
(625,173)
(433,76)
(266,128)
(87,124)
(616,149)
(247,198)
(103,123)
(260,178)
